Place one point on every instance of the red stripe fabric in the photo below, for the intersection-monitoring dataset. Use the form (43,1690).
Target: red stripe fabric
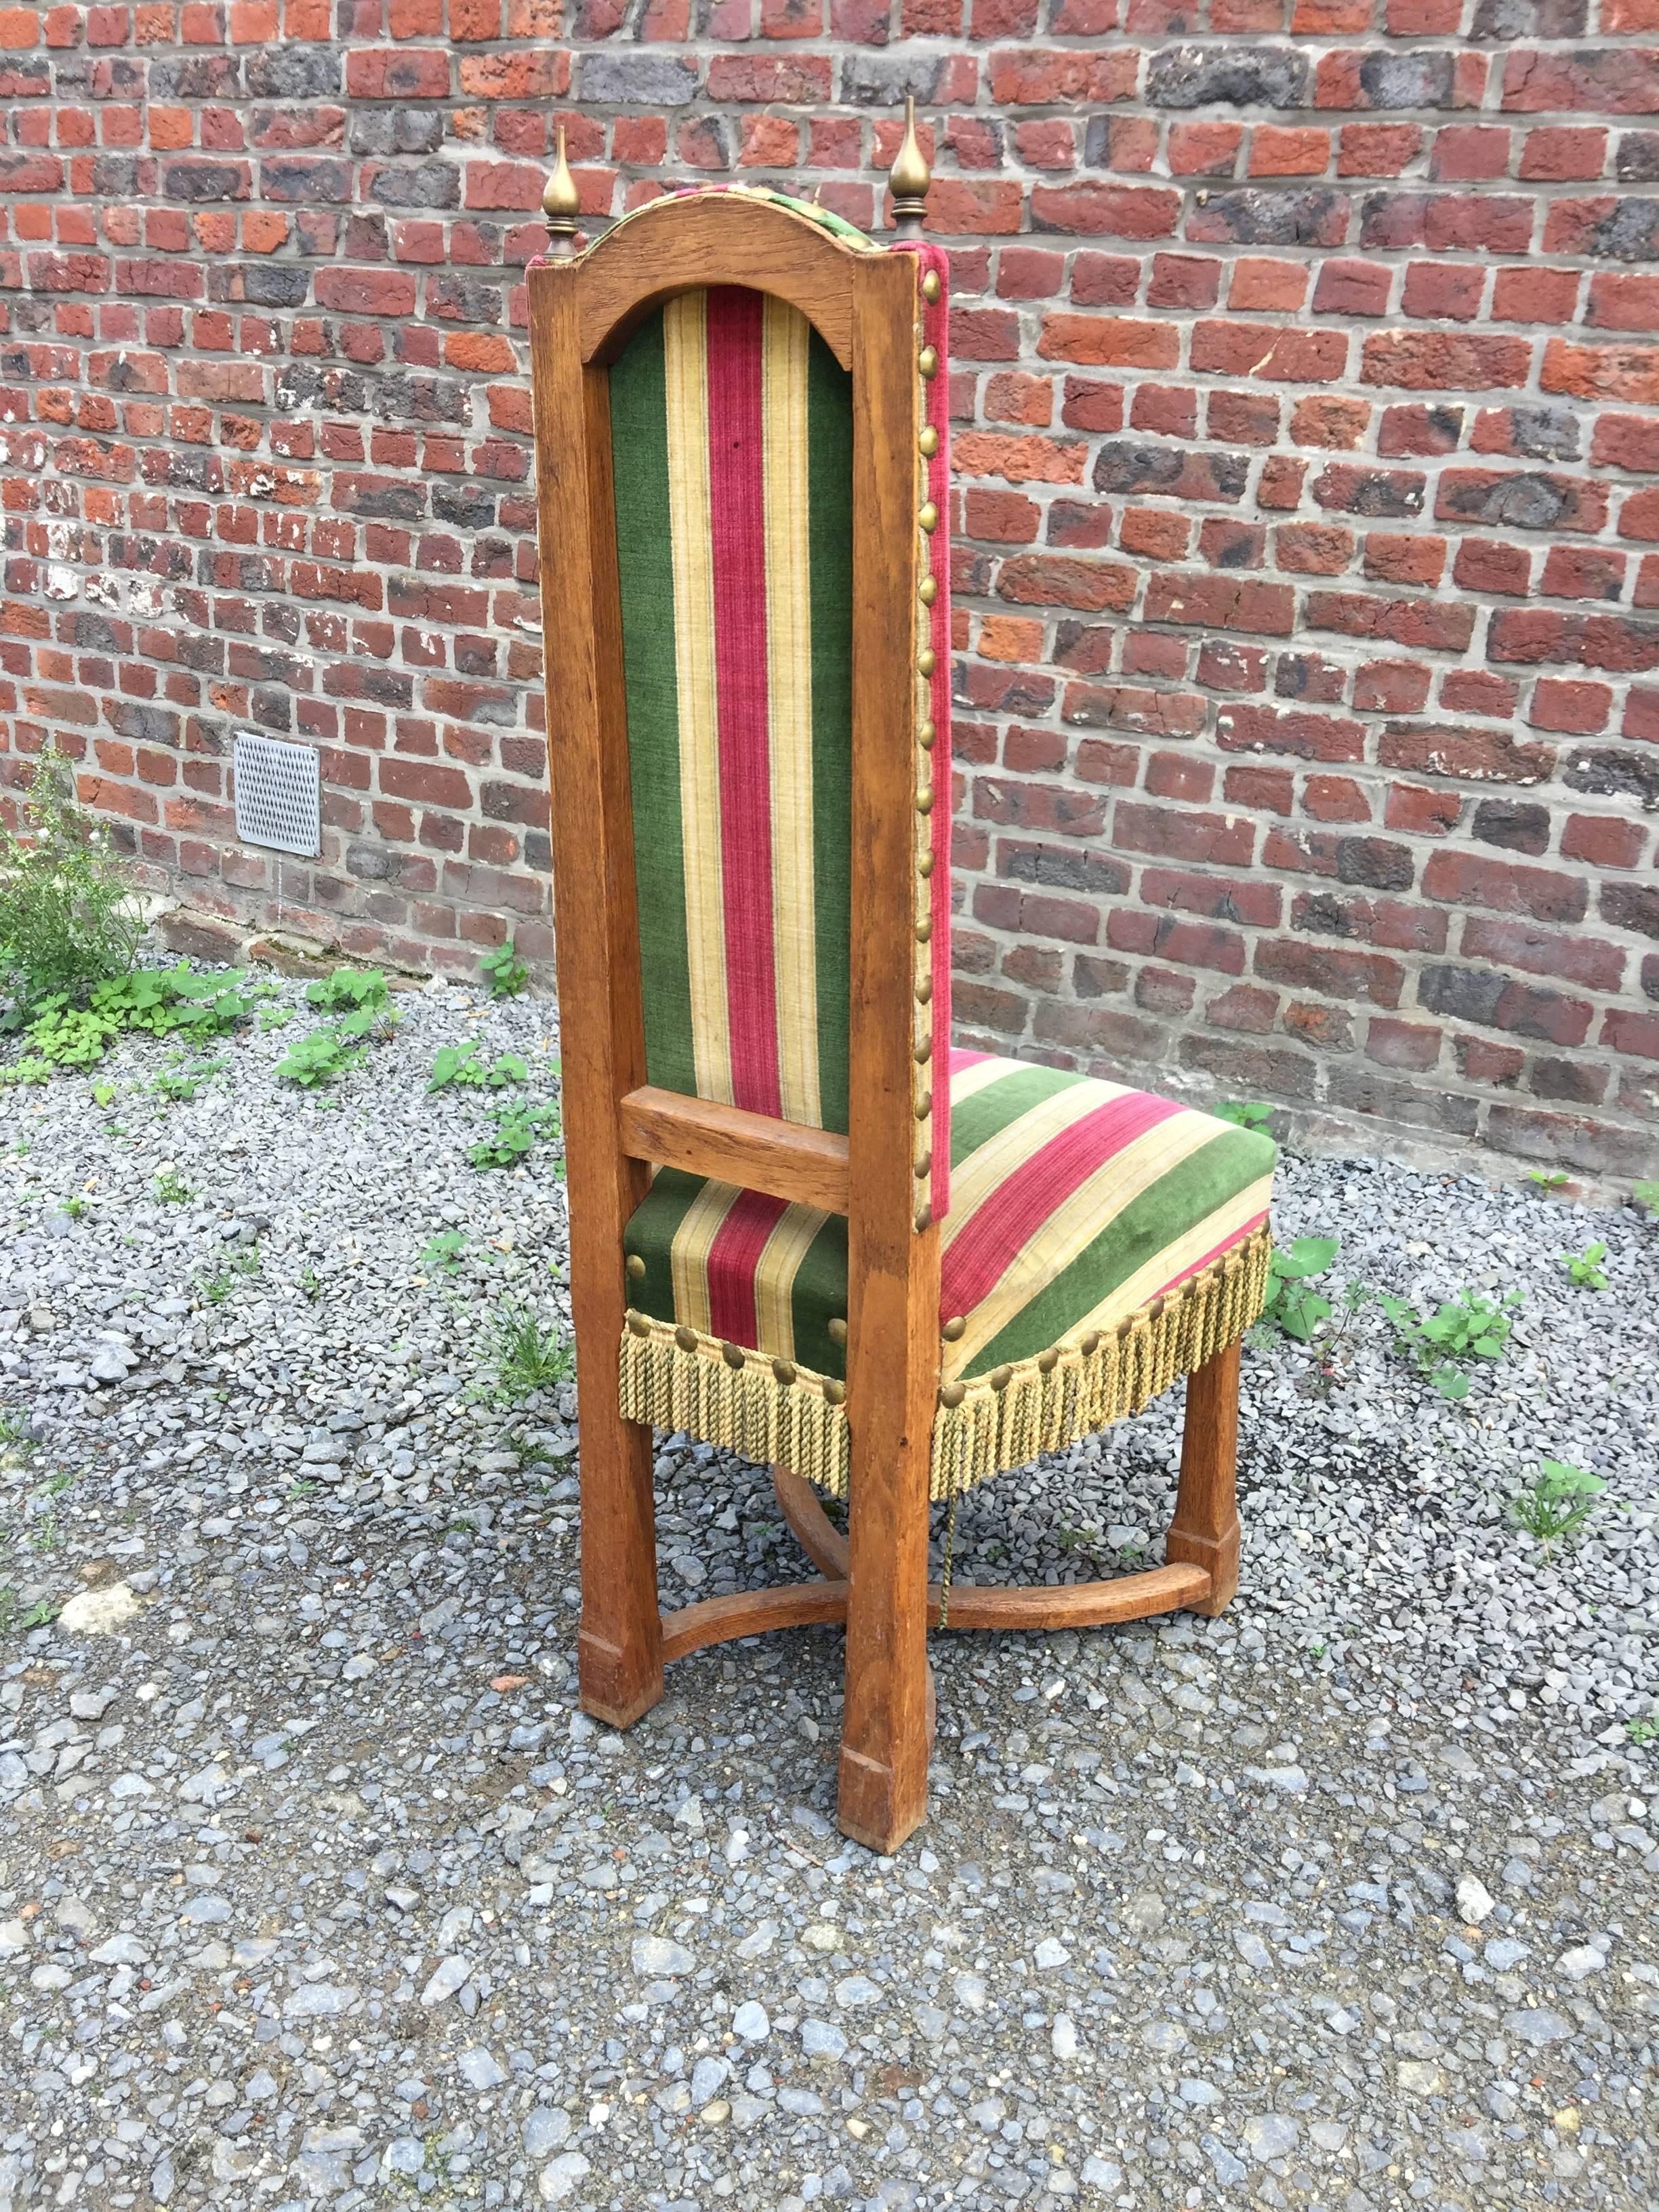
(738,529)
(733,1260)
(1037,1190)
(1238,1236)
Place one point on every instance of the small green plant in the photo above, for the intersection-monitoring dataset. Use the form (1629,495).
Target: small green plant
(217,1287)
(504,972)
(1246,1114)
(1643,1731)
(274,1017)
(320,1058)
(441,1254)
(1441,1344)
(104,1093)
(517,1129)
(246,1261)
(170,1188)
(14,1424)
(302,1489)
(13,1622)
(1585,1267)
(310,1283)
(183,1080)
(67,920)
(1549,1178)
(358,996)
(461,1063)
(1290,1306)
(1558,1504)
(529,1354)
(75,1207)
(1647,1194)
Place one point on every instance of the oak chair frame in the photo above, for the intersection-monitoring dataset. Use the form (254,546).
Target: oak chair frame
(866,307)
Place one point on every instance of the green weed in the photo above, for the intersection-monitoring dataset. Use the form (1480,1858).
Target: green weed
(1558,1504)
(1643,1731)
(75,1207)
(321,1058)
(66,917)
(1245,1114)
(518,1130)
(441,1254)
(170,1188)
(1290,1306)
(529,1354)
(1549,1178)
(40,1614)
(1441,1344)
(104,1093)
(504,972)
(1647,1194)
(462,1064)
(358,996)
(1585,1267)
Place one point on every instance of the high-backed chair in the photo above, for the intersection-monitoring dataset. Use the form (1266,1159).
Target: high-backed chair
(802,1227)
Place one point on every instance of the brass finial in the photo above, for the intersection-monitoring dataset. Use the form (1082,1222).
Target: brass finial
(908,179)
(560,205)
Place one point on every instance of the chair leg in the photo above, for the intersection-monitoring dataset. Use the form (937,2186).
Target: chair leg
(620,1645)
(885,1732)
(1205,1530)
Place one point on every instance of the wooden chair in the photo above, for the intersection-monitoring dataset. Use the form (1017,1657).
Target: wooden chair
(777,1166)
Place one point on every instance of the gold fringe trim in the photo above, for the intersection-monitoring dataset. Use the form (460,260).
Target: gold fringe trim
(680,1380)
(1059,1398)
(677,1378)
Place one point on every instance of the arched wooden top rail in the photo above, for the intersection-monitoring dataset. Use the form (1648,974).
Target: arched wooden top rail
(680,242)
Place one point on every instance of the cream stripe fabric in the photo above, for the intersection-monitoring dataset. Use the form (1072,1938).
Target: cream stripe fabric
(789,706)
(685,365)
(688,1253)
(984,1172)
(1113,1186)
(774,1277)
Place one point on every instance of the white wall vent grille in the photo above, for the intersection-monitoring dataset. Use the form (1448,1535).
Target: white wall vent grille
(278,797)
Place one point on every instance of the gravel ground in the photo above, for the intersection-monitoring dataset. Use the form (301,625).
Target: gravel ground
(314,1887)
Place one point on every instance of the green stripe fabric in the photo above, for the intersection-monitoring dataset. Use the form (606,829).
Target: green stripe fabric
(830,474)
(639,442)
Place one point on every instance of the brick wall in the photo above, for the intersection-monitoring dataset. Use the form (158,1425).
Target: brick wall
(1307,459)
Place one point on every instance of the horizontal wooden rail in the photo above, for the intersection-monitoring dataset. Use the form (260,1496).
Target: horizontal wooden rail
(784,1159)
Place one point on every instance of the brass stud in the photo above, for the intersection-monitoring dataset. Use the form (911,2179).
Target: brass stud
(638,1323)
(927,590)
(686,1339)
(835,1330)
(923,1219)
(929,517)
(924,802)
(925,866)
(927,361)
(954,1329)
(835,1392)
(925,737)
(924,929)
(732,1354)
(923,1052)
(924,1105)
(1001,1377)
(930,286)
(1090,1344)
(952,1395)
(928,443)
(1047,1361)
(926,661)
(636,1266)
(924,1166)
(924,989)
(784,1372)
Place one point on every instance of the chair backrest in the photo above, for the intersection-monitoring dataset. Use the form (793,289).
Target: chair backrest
(740,459)
(731,457)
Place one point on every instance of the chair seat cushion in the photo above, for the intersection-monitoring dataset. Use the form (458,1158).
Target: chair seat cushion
(1080,1213)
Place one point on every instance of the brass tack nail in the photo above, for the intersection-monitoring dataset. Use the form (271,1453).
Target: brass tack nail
(928,443)
(927,361)
(924,802)
(1090,1344)
(925,737)
(929,517)
(923,1052)
(924,989)
(925,866)
(924,1105)
(638,1323)
(925,929)
(732,1354)
(954,1329)
(927,590)
(635,1266)
(1001,1377)
(924,1166)
(925,661)
(924,1218)
(784,1372)
(686,1339)
(952,1394)
(930,286)
(1047,1361)
(835,1330)
(836,1392)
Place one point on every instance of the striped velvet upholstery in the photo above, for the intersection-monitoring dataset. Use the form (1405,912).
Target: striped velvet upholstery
(1075,1205)
(732,443)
